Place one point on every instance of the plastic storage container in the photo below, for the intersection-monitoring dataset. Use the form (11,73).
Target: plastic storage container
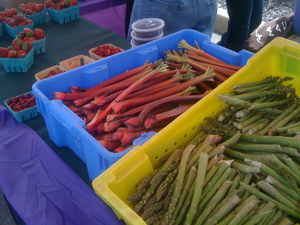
(67,129)
(75,62)
(65,15)
(97,57)
(13,31)
(44,73)
(148,27)
(281,57)
(136,41)
(24,114)
(296,23)
(38,18)
(18,64)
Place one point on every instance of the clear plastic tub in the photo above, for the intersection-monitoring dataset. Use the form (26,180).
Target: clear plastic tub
(139,41)
(148,27)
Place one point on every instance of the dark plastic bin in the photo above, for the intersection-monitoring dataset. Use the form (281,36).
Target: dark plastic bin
(67,129)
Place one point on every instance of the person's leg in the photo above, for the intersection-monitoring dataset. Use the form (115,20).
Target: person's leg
(239,13)
(257,14)
(129,5)
(206,11)
(177,14)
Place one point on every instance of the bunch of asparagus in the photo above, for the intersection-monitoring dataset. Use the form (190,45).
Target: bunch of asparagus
(226,175)
(265,107)
(198,184)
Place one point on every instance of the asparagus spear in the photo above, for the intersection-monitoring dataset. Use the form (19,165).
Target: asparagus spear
(230,216)
(179,182)
(266,80)
(221,192)
(225,208)
(265,197)
(273,193)
(278,184)
(243,211)
(192,174)
(198,188)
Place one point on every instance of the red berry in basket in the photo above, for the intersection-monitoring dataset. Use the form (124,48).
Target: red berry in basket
(31,6)
(14,11)
(3,52)
(39,7)
(12,54)
(28,32)
(16,48)
(17,41)
(8,12)
(38,33)
(27,46)
(22,53)
(29,39)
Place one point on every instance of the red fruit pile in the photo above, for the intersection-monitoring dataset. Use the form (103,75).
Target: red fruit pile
(31,8)
(14,19)
(2,16)
(31,35)
(18,49)
(54,72)
(21,102)
(106,50)
(60,4)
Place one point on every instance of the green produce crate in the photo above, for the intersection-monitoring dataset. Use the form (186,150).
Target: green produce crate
(281,57)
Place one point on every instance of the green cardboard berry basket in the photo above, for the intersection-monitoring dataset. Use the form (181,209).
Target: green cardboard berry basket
(25,114)
(65,15)
(20,65)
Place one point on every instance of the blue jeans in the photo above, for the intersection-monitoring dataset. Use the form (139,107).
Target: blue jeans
(244,17)
(177,14)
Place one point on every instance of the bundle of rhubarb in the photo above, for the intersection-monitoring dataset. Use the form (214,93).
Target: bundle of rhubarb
(226,175)
(144,99)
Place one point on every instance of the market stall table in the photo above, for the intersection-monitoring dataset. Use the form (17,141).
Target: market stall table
(62,42)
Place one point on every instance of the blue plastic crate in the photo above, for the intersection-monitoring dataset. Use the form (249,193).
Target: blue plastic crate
(39,46)
(37,18)
(24,114)
(65,15)
(14,31)
(67,129)
(18,64)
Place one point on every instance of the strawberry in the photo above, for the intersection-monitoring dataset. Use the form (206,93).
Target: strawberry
(38,33)
(8,12)
(12,23)
(27,46)
(39,7)
(22,54)
(21,35)
(16,48)
(22,6)
(31,6)
(14,11)
(28,11)
(12,54)
(3,52)
(17,41)
(28,32)
(29,39)
(22,23)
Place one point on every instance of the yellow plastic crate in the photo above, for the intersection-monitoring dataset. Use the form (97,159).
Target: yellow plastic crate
(281,57)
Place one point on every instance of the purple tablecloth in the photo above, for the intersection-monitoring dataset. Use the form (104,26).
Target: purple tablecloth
(39,185)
